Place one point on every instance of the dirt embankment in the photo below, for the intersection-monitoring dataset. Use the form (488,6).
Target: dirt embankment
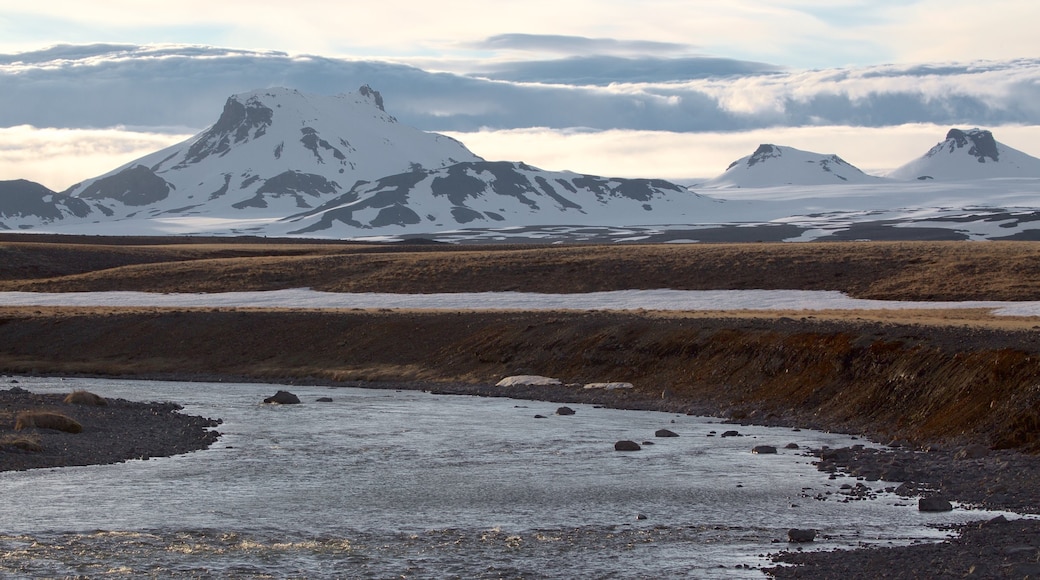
(919,383)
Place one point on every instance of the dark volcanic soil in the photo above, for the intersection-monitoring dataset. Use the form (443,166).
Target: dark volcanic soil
(112,433)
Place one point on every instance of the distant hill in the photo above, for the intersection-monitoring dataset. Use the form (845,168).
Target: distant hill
(969,154)
(775,165)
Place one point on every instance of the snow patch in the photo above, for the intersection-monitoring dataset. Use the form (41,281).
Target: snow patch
(527,380)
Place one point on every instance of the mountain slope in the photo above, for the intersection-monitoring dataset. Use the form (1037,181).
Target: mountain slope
(271,153)
(970,154)
(26,203)
(775,165)
(497,194)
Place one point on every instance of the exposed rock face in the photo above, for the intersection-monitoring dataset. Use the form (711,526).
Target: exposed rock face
(133,186)
(764,151)
(23,198)
(373,94)
(983,145)
(239,121)
(283,398)
(485,193)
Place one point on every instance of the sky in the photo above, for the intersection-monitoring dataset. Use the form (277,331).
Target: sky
(649,88)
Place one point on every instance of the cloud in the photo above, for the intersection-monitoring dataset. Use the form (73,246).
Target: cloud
(604,70)
(107,85)
(59,158)
(692,157)
(797,33)
(577,45)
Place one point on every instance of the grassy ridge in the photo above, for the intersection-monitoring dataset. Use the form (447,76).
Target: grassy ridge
(895,271)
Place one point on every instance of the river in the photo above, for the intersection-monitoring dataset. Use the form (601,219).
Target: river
(406,484)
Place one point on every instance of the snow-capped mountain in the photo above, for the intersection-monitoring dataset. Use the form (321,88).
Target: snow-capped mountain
(970,154)
(496,194)
(775,165)
(272,153)
(282,163)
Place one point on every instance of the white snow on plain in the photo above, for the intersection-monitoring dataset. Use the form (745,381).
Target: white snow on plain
(670,300)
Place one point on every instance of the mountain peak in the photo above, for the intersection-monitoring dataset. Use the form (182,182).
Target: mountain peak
(772,165)
(982,143)
(369,92)
(765,151)
(271,151)
(241,119)
(969,154)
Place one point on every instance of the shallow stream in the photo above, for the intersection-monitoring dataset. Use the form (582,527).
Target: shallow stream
(406,484)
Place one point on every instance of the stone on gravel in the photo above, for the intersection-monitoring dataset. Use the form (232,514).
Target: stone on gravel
(626,446)
(800,536)
(609,386)
(283,398)
(972,452)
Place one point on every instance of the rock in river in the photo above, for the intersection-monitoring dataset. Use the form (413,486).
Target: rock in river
(283,398)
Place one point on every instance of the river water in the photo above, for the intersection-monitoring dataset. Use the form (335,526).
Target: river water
(405,484)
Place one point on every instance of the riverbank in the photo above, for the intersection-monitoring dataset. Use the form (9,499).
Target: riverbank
(119,430)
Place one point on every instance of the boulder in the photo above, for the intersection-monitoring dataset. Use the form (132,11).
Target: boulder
(283,398)
(87,398)
(324,399)
(934,504)
(527,380)
(665,433)
(731,433)
(791,446)
(564,411)
(626,446)
(800,536)
(764,450)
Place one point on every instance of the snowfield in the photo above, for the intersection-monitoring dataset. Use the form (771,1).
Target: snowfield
(667,300)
